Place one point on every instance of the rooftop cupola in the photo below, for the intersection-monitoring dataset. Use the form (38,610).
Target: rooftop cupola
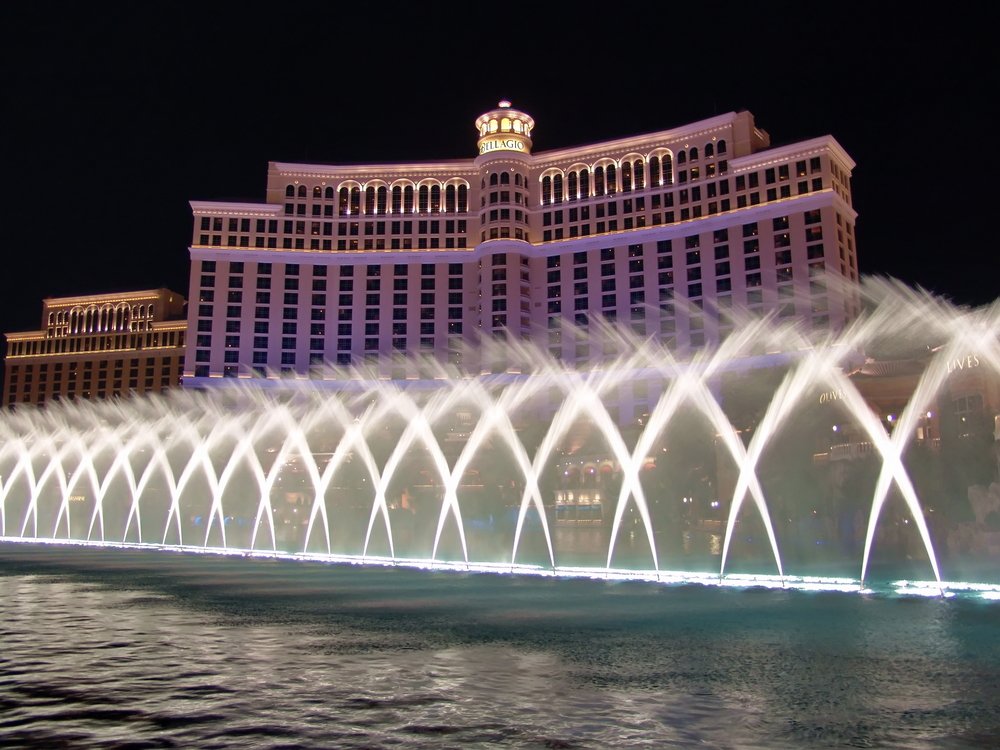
(504,129)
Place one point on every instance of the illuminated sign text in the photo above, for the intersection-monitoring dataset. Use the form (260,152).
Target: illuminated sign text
(505,143)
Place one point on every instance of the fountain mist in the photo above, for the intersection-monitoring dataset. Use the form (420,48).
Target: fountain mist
(466,472)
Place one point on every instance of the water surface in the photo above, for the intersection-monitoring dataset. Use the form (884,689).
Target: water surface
(136,649)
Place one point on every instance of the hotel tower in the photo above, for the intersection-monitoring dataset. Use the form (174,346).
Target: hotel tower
(664,233)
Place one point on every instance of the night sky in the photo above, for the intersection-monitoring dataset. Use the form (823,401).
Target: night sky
(114,120)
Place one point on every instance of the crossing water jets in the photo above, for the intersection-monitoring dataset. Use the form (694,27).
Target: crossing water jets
(782,456)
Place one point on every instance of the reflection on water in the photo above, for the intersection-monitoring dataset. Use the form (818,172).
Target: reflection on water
(138,649)
(707,541)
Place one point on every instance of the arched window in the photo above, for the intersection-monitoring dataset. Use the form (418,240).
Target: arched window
(449,199)
(370,200)
(610,176)
(463,199)
(693,155)
(290,191)
(494,178)
(557,188)
(584,184)
(654,171)
(721,148)
(505,124)
(681,157)
(546,190)
(382,194)
(626,176)
(638,174)
(355,200)
(518,180)
(505,178)
(435,199)
(517,126)
(572,190)
(423,199)
(493,126)
(302,191)
(345,198)
(329,194)
(709,150)
(408,199)
(317,192)
(599,181)
(668,170)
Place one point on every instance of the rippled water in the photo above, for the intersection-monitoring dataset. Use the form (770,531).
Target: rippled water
(143,649)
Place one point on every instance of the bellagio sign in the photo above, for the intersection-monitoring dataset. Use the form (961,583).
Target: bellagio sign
(502,143)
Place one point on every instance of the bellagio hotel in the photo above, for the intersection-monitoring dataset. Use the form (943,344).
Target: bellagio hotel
(662,232)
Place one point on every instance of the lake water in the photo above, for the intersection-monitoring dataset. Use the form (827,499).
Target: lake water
(137,649)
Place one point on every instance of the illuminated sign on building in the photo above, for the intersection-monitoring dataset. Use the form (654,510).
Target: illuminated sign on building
(963,363)
(825,398)
(502,143)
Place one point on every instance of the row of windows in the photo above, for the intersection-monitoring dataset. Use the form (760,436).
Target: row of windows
(628,174)
(57,369)
(503,178)
(288,340)
(288,226)
(428,196)
(684,196)
(101,317)
(424,199)
(101,343)
(606,180)
(318,270)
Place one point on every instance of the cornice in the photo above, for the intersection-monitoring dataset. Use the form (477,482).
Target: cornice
(87,299)
(781,154)
(229,208)
(450,167)
(712,125)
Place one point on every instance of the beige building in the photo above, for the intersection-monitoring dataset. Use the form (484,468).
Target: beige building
(98,345)
(664,232)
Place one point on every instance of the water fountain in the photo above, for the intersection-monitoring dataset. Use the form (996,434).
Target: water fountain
(636,466)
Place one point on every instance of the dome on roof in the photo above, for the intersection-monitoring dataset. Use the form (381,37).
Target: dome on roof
(504,129)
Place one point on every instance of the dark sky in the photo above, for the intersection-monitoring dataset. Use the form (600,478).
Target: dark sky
(116,118)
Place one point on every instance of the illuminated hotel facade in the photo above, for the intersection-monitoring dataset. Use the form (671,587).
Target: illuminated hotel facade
(664,233)
(98,346)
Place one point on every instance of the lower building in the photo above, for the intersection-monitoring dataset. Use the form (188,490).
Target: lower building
(96,346)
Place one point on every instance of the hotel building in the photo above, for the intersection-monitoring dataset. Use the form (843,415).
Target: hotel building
(98,345)
(663,232)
